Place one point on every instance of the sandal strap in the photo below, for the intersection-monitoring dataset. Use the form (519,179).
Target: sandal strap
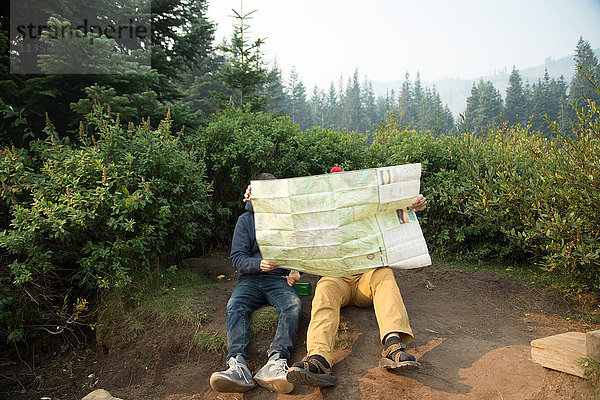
(393,348)
(313,361)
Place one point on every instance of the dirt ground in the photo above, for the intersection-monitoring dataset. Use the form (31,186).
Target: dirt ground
(472,337)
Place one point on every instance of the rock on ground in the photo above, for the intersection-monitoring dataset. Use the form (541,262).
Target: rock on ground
(100,394)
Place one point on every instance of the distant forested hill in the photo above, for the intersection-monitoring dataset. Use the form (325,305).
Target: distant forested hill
(454,92)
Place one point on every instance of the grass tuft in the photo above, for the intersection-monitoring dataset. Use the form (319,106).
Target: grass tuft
(263,320)
(215,343)
(175,297)
(341,338)
(591,371)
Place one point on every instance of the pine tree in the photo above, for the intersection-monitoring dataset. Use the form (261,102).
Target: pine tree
(587,69)
(352,108)
(515,107)
(181,38)
(416,101)
(382,109)
(558,92)
(317,107)
(484,106)
(405,102)
(244,73)
(199,87)
(549,103)
(274,92)
(299,110)
(369,117)
(443,120)
(332,108)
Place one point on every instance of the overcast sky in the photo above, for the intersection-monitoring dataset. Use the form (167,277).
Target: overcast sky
(384,39)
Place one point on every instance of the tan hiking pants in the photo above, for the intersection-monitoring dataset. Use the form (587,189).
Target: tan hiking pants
(375,288)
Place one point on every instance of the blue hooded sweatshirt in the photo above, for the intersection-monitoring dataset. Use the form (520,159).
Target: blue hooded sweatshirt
(245,254)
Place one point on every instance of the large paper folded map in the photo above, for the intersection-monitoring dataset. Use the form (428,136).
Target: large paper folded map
(342,223)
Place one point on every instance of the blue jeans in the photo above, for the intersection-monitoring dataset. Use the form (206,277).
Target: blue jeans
(252,292)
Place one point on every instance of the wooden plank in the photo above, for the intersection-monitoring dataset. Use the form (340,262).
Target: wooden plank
(560,352)
(592,345)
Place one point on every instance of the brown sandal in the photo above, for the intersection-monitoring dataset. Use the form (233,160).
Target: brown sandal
(394,357)
(311,371)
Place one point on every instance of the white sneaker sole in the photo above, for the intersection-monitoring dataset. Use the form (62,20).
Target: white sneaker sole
(280,385)
(224,385)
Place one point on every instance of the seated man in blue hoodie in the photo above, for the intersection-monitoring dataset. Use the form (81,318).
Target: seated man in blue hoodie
(260,281)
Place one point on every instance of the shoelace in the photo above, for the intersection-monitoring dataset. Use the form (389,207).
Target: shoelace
(280,366)
(235,365)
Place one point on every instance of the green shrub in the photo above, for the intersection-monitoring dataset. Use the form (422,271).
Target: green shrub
(543,195)
(237,145)
(509,194)
(95,215)
(316,150)
(448,228)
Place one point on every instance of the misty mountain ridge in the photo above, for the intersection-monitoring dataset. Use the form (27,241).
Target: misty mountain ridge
(454,91)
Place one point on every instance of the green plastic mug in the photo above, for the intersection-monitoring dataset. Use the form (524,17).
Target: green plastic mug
(303,288)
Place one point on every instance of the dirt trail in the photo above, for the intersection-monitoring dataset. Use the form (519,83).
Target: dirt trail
(472,335)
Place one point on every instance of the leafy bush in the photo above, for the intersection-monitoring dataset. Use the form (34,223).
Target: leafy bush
(537,197)
(237,145)
(545,196)
(509,194)
(449,230)
(96,215)
(316,150)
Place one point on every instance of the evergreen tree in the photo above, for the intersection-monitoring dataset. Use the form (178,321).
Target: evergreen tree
(405,102)
(539,97)
(587,69)
(417,97)
(548,103)
(484,106)
(528,95)
(560,107)
(442,120)
(369,117)
(332,108)
(341,99)
(299,110)
(391,101)
(382,109)
(418,89)
(356,108)
(243,72)
(274,92)
(433,115)
(181,37)
(199,87)
(317,107)
(352,108)
(515,107)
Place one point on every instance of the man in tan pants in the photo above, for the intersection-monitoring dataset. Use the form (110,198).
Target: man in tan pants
(377,288)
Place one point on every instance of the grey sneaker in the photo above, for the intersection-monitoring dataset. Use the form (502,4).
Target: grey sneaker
(272,375)
(236,379)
